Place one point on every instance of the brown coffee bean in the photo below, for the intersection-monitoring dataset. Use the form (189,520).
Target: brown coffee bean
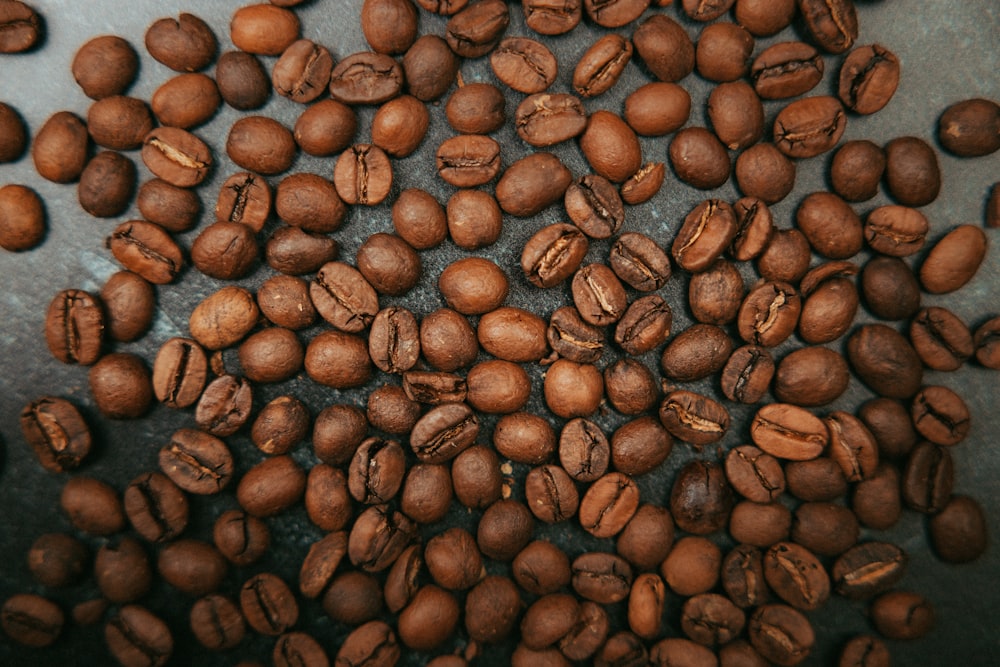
(399,125)
(513,334)
(477,108)
(498,386)
(699,158)
(640,446)
(742,576)
(541,568)
(940,415)
(428,490)
(584,451)
(468,160)
(614,14)
(834,25)
(789,432)
(327,500)
(877,501)
(769,314)
(723,51)
(22,216)
(524,64)
(811,376)
(443,432)
(56,432)
(928,478)
(504,529)
(864,650)
(958,531)
(184,44)
(611,147)
(473,285)
(492,607)
(781,634)
(179,372)
(764,17)
(325,128)
(74,327)
(711,619)
(715,294)
(825,529)
(831,226)
(600,67)
(786,69)
(391,410)
(57,560)
(762,171)
(293,251)
(224,406)
(136,636)
(553,254)
(736,114)
(271,487)
(701,498)
(609,504)
(302,73)
(953,260)
(448,342)
(889,422)
(753,474)
(902,615)
(119,122)
(630,386)
(895,230)
(121,385)
(474,219)
(243,83)
(284,301)
(692,566)
(601,577)
(707,231)
(353,598)
(337,359)
(665,48)
(388,263)
(374,640)
(885,361)
(107,185)
(656,109)
(92,506)
(550,494)
(186,100)
(156,507)
(343,297)
(376,471)
(985,340)
(304,200)
(430,618)
(225,250)
(868,78)
(547,18)
(224,317)
(475,30)
(105,66)
(434,387)
(912,173)
(755,228)
(59,149)
(868,569)
(696,352)
(644,325)
(544,119)
(857,169)
(646,604)
(475,476)
(786,256)
(831,302)
(318,567)
(760,524)
(419,219)
(430,68)
(644,184)
(389,26)
(941,339)
(394,342)
(819,479)
(260,144)
(271,355)
(747,374)
(852,445)
(810,126)
(694,418)
(599,295)
(366,78)
(173,208)
(176,156)
(193,567)
(263,29)
(572,389)
(970,128)
(268,604)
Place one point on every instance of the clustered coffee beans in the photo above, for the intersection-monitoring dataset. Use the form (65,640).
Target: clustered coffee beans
(446,440)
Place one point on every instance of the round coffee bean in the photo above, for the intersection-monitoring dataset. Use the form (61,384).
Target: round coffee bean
(811,376)
(699,158)
(119,122)
(173,208)
(763,171)
(789,432)
(430,68)
(473,285)
(958,531)
(121,386)
(810,126)
(302,73)
(897,231)
(665,48)
(224,406)
(399,125)
(701,498)
(59,150)
(902,615)
(242,81)
(781,634)
(911,171)
(184,44)
(156,507)
(92,506)
(765,17)
(186,101)
(225,250)
(325,128)
(692,566)
(885,361)
(868,78)
(260,144)
(475,475)
(105,66)
(928,478)
(857,169)
(263,29)
(176,156)
(366,78)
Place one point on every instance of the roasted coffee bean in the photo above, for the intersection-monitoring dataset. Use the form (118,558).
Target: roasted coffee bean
(186,101)
(584,451)
(544,119)
(711,619)
(399,125)
(958,531)
(429,620)
(692,566)
(504,529)
(224,406)
(601,577)
(524,64)
(764,17)
(429,68)
(600,67)
(876,500)
(831,302)
(658,108)
(550,494)
(664,47)
(59,149)
(513,334)
(611,147)
(825,529)
(119,122)
(753,474)
(263,29)
(644,184)
(736,114)
(428,490)
(107,185)
(246,198)
(764,172)
(747,374)
(302,73)
(325,128)
(868,78)
(196,461)
(553,254)
(394,340)
(293,251)
(343,297)
(723,52)
(572,389)
(941,339)
(468,160)
(940,415)
(541,568)
(786,256)
(327,500)
(912,173)
(443,432)
(928,478)
(831,226)
(57,433)
(890,289)
(594,205)
(810,126)
(639,261)
(191,566)
(474,219)
(769,314)
(885,361)
(272,355)
(902,615)
(646,604)
(608,504)
(389,26)
(448,341)
(321,562)
(391,410)
(121,386)
(498,386)
(224,317)
(434,387)
(179,372)
(623,647)
(271,487)
(268,604)
(473,285)
(699,158)
(868,569)
(225,250)
(614,14)
(742,576)
(970,128)
(304,200)
(694,418)
(789,432)
(715,294)
(985,339)
(474,31)
(552,18)
(176,156)
(353,598)
(378,537)
(22,217)
(260,144)
(755,227)
(852,445)
(781,634)
(217,623)
(173,208)
(475,476)
(419,219)
(811,376)
(92,506)
(74,327)
(389,264)
(280,425)
(57,560)
(123,571)
(156,507)
(640,446)
(833,24)
(864,650)
(22,28)
(760,524)
(184,44)
(786,69)
(376,471)
(242,80)
(572,338)
(954,260)
(373,641)
(701,498)
(136,636)
(889,422)
(819,479)
(895,230)
(857,169)
(696,352)
(548,620)
(707,231)
(600,297)
(630,386)
(478,108)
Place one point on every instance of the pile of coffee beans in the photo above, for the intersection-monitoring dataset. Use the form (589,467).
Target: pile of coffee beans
(523,409)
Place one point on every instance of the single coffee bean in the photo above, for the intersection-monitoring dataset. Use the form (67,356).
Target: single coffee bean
(268,604)
(665,48)
(754,474)
(868,78)
(742,576)
(630,386)
(119,122)
(375,640)
(852,445)
(877,501)
(389,264)
(246,198)
(573,338)
(541,568)
(604,578)
(400,125)
(389,26)
(22,217)
(179,372)
(868,569)
(430,618)
(184,44)
(647,538)
(810,126)
(57,560)
(831,302)
(696,352)
(786,69)
(280,425)
(658,108)
(970,128)
(857,169)
(941,339)
(736,114)
(107,185)
(225,250)
(224,406)
(624,646)
(940,415)
(473,286)
(448,341)
(92,506)
(532,183)
(430,68)
(434,387)
(786,256)
(780,633)
(544,119)
(498,386)
(224,317)
(819,479)
(105,66)
(699,158)
(958,532)
(611,147)
(600,297)
(156,507)
(833,24)
(552,18)
(553,254)
(715,294)
(57,433)
(474,31)
(608,504)
(755,227)
(707,231)
(263,29)
(524,64)
(136,636)
(121,385)
(343,297)
(584,451)
(550,494)
(443,432)
(513,334)
(639,261)
(325,128)
(723,51)
(476,480)
(173,208)
(391,410)
(572,389)
(694,418)
(760,524)
(74,327)
(644,184)
(885,361)
(811,376)
(304,200)
(59,149)
(468,160)
(825,529)
(831,226)
(902,615)
(302,73)
(242,538)
(217,622)
(394,342)
(366,78)
(186,101)
(765,17)
(428,489)
(176,156)
(864,650)
(912,173)
(378,537)
(769,314)
(478,108)
(711,619)
(243,83)
(419,219)
(640,446)
(376,471)
(260,144)
(321,562)
(600,67)
(692,566)
(764,172)
(894,230)
(363,175)
(986,341)
(789,432)
(594,205)
(293,251)
(954,260)
(928,478)
(22,28)
(197,462)
(747,374)
(191,566)
(646,604)
(271,487)
(614,14)
(701,498)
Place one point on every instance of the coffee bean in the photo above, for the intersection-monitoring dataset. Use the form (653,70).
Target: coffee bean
(105,66)
(902,615)
(609,504)
(191,566)
(657,109)
(14,132)
(468,160)
(599,295)
(475,30)
(173,208)
(831,226)
(430,618)
(707,230)
(868,78)
(22,28)
(643,185)
(145,249)
(747,374)
(156,507)
(736,114)
(217,623)
(121,385)
(788,432)
(513,334)
(271,487)
(443,432)
(448,342)
(378,537)
(293,251)
(302,73)
(940,415)
(877,501)
(544,119)
(895,230)
(868,569)
(399,125)
(810,126)
(92,506)
(185,101)
(184,44)
(825,529)
(742,576)
(473,286)
(831,302)
(478,108)
(119,122)
(59,150)
(873,350)
(753,474)
(701,498)
(711,619)
(864,650)
(811,376)
(57,433)
(224,317)
(57,560)
(366,78)
(958,531)
(852,445)
(74,327)
(857,169)
(268,604)
(764,17)
(242,538)
(243,83)
(572,389)
(665,48)
(524,64)
(433,387)
(263,29)
(430,68)
(928,478)
(475,477)
(374,640)
(474,219)
(781,634)
(611,147)
(260,144)
(394,342)
(760,524)
(985,340)
(343,297)
(786,256)
(941,339)
(428,489)
(498,386)
(912,173)
(695,353)
(786,69)
(624,646)
(320,564)
(136,636)
(699,158)
(176,156)
(600,67)
(22,218)
(389,264)
(419,219)
(764,172)
(553,254)
(819,479)
(834,25)
(391,410)
(953,260)
(970,128)
(769,314)
(692,566)
(179,372)
(224,406)
(630,386)
(594,205)
(304,200)
(601,577)
(541,568)
(615,13)
(280,425)
(548,18)
(197,462)
(640,446)
(584,451)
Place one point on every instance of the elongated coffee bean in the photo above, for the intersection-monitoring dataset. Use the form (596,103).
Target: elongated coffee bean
(74,327)
(56,432)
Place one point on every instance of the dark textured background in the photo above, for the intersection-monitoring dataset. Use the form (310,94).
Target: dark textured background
(948,52)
